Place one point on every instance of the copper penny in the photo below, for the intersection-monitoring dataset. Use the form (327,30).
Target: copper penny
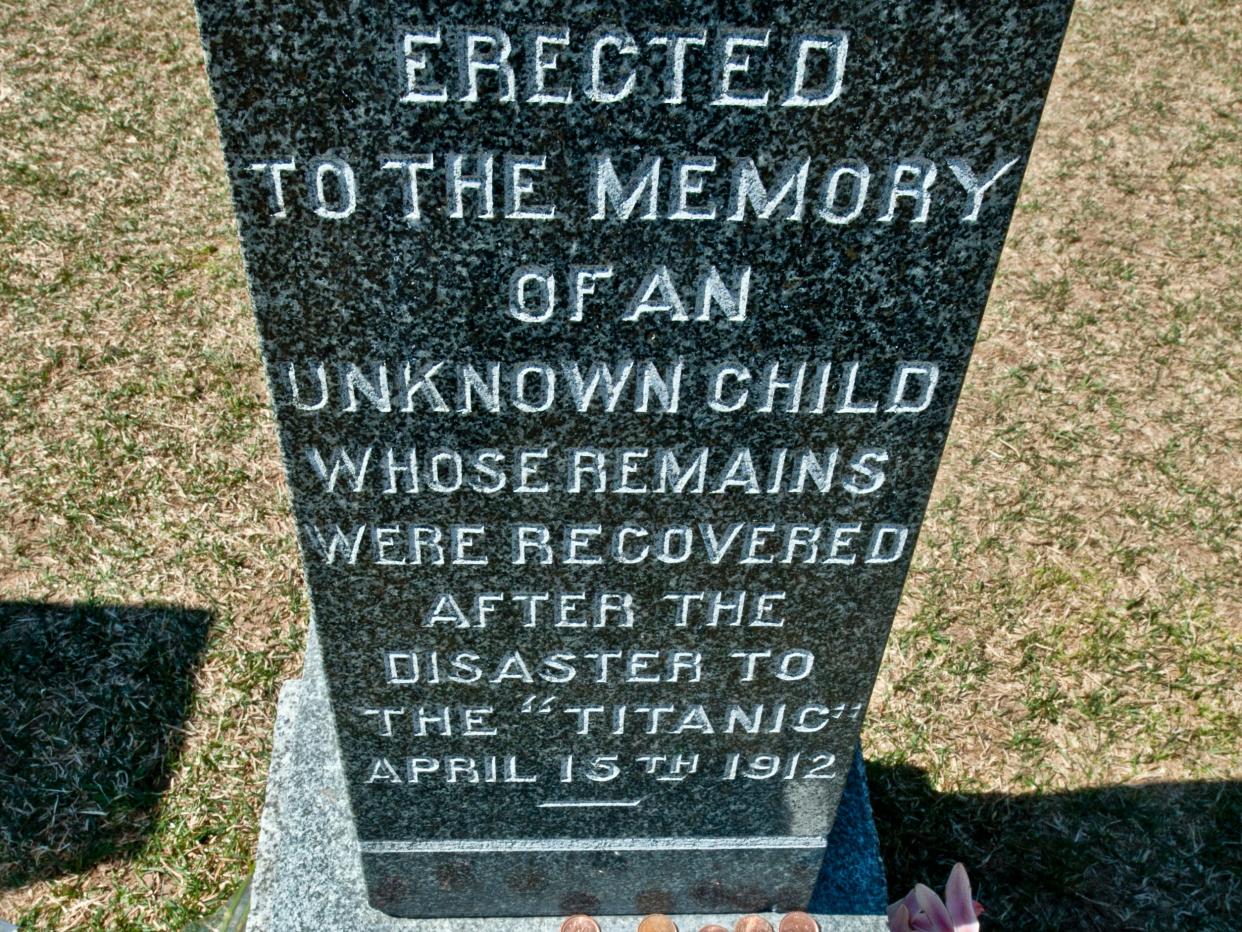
(657,922)
(579,924)
(752,924)
(713,929)
(798,922)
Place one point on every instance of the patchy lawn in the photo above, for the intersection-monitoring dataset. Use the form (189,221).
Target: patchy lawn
(1074,616)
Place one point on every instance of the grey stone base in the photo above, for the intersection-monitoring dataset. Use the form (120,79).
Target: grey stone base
(308,872)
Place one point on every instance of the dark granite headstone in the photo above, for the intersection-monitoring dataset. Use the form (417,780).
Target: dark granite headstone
(613,347)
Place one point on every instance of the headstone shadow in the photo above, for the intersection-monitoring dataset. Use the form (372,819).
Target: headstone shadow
(92,703)
(1147,856)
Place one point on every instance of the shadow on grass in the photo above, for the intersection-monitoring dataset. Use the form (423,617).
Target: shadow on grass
(92,701)
(1151,856)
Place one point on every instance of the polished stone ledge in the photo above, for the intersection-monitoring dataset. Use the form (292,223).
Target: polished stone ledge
(308,872)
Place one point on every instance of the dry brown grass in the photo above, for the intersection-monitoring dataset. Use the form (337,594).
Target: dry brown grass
(1074,615)
(1074,618)
(136,459)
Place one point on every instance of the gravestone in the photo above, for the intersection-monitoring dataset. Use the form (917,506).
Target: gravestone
(613,348)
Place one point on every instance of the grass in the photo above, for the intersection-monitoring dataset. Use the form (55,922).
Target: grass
(94,699)
(1073,619)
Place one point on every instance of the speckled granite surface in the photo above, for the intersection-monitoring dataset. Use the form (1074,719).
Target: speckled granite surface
(308,874)
(583,322)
